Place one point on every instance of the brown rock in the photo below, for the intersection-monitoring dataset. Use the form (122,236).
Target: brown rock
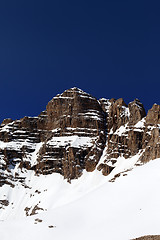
(153,115)
(137,112)
(6,121)
(150,237)
(75,109)
(117,115)
(107,123)
(105,169)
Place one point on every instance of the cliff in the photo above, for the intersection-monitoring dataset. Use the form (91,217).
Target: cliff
(77,132)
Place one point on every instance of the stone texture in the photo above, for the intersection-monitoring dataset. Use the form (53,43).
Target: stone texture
(72,113)
(137,111)
(72,133)
(75,109)
(117,114)
(153,116)
(150,237)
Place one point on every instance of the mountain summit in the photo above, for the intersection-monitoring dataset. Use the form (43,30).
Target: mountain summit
(77,132)
(72,148)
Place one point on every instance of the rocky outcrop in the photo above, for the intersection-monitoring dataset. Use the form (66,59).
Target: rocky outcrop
(153,116)
(77,110)
(66,138)
(130,132)
(117,114)
(73,113)
(77,132)
(137,112)
(150,237)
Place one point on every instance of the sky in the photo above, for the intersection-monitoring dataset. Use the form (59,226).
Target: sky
(107,48)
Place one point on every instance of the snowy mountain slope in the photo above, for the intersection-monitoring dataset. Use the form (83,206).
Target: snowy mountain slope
(91,207)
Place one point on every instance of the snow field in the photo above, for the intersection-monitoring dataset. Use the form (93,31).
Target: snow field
(90,208)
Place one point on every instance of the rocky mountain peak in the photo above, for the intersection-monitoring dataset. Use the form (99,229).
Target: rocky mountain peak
(117,114)
(77,132)
(73,93)
(153,115)
(6,121)
(76,135)
(74,109)
(137,111)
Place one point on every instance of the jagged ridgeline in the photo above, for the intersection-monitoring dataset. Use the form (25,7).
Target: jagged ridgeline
(77,132)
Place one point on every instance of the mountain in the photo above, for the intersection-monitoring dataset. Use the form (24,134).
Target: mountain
(72,164)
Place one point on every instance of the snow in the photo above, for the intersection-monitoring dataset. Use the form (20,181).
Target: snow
(82,94)
(72,141)
(124,129)
(125,112)
(91,116)
(6,128)
(59,96)
(140,124)
(34,155)
(106,103)
(122,164)
(89,97)
(121,130)
(78,129)
(104,155)
(89,208)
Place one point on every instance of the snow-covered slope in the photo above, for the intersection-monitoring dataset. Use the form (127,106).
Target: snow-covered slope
(92,207)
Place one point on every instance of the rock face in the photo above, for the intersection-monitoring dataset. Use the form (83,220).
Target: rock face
(77,132)
(150,237)
(137,112)
(66,138)
(153,116)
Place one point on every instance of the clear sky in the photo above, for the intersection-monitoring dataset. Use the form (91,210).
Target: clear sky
(107,48)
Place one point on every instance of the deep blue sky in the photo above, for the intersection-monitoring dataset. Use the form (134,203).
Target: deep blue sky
(107,48)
